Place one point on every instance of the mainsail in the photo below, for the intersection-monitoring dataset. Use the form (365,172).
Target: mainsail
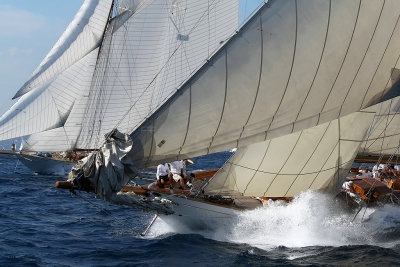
(286,70)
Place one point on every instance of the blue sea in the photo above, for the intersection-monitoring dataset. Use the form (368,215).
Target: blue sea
(44,226)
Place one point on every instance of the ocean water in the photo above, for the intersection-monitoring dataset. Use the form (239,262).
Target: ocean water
(44,226)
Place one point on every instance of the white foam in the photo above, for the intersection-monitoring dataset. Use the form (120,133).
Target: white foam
(311,219)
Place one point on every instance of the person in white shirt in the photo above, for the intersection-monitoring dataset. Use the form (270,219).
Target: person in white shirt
(348,188)
(178,173)
(162,175)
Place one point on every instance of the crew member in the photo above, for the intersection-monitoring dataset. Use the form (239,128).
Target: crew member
(162,175)
(178,173)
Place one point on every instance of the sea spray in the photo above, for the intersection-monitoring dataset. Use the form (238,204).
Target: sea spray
(311,219)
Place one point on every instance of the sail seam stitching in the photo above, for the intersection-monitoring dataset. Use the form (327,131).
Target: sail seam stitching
(290,74)
(259,79)
(344,59)
(362,61)
(319,63)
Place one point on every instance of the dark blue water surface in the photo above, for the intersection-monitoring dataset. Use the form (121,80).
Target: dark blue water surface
(44,226)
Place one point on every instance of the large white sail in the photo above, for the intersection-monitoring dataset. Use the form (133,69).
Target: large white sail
(315,158)
(285,71)
(81,37)
(61,103)
(149,50)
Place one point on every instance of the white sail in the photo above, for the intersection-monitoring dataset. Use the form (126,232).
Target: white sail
(315,158)
(59,104)
(384,134)
(285,71)
(149,50)
(81,37)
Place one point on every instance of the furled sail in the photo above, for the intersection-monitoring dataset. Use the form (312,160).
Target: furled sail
(149,50)
(286,70)
(60,104)
(316,158)
(81,37)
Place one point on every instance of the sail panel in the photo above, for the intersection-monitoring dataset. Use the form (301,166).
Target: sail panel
(145,61)
(287,165)
(62,102)
(295,92)
(82,35)
(383,137)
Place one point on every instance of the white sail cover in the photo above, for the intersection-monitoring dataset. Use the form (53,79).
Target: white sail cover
(294,65)
(59,104)
(149,50)
(81,37)
(315,158)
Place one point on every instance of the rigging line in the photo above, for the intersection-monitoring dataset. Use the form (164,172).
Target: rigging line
(377,124)
(290,72)
(73,192)
(384,130)
(387,125)
(343,61)
(365,54)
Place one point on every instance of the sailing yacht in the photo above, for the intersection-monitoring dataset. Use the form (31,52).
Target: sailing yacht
(301,89)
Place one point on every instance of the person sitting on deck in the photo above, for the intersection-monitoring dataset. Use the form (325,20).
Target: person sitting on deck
(348,188)
(162,175)
(363,173)
(178,173)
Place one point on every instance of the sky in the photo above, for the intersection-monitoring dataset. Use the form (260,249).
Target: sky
(30,28)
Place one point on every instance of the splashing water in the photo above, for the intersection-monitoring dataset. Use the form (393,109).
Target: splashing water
(311,219)
(314,219)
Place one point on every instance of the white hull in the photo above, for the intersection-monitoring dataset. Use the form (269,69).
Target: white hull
(198,215)
(47,166)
